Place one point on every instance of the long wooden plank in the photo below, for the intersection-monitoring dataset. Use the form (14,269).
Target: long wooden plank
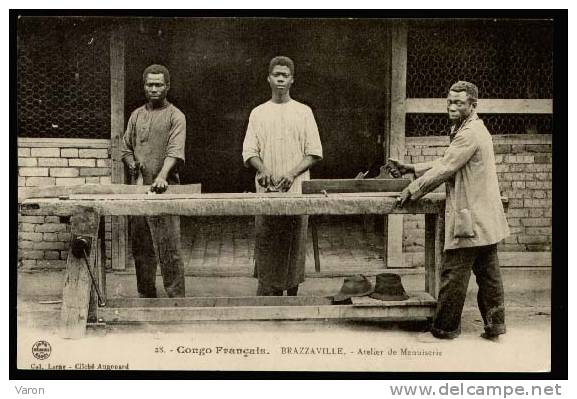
(182,315)
(214,196)
(322,312)
(486,106)
(345,269)
(77,283)
(417,297)
(99,198)
(217,196)
(62,142)
(443,141)
(310,204)
(218,301)
(99,189)
(317,186)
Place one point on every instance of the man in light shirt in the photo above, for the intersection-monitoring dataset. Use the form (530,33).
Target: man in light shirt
(282,143)
(474,218)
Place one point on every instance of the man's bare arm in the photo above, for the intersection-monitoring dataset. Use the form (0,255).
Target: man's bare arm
(160,184)
(288,178)
(264,176)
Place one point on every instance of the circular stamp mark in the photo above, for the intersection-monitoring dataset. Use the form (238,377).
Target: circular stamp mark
(41,350)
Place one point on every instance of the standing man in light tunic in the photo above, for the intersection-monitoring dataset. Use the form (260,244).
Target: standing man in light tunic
(282,143)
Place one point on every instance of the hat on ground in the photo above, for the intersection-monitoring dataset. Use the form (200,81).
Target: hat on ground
(357,285)
(389,288)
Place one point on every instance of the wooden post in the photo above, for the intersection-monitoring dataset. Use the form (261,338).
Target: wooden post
(485,106)
(102,234)
(98,272)
(119,223)
(434,244)
(314,232)
(77,284)
(395,137)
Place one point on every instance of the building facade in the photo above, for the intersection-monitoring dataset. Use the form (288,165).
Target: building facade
(376,86)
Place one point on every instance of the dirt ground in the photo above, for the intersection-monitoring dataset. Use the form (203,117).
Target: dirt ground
(292,345)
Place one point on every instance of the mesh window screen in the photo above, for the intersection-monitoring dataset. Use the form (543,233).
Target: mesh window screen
(505,59)
(63,78)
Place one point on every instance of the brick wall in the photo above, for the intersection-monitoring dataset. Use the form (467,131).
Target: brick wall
(524,170)
(43,240)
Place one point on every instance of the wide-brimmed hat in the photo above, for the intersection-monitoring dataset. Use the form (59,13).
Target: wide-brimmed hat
(389,287)
(357,285)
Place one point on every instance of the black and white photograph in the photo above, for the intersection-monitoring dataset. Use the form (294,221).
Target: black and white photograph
(267,193)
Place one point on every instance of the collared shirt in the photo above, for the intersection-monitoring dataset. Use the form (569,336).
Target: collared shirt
(468,170)
(152,134)
(281,135)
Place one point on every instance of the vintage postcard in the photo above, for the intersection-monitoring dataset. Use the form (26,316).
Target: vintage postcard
(242,193)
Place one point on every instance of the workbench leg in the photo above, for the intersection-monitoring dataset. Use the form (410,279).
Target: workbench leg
(98,269)
(77,284)
(315,234)
(386,241)
(102,263)
(434,242)
(393,241)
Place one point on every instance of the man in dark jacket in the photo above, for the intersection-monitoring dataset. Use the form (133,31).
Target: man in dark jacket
(152,149)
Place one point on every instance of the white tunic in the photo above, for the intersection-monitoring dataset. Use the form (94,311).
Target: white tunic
(281,135)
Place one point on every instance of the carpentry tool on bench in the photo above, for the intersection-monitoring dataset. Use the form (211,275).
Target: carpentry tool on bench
(356,185)
(136,178)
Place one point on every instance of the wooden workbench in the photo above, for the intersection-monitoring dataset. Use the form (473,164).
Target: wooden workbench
(86,211)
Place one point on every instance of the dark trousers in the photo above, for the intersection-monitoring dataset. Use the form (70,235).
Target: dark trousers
(455,274)
(263,290)
(156,239)
(280,252)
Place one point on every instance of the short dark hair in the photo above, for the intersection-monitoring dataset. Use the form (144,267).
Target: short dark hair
(468,87)
(281,60)
(155,69)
